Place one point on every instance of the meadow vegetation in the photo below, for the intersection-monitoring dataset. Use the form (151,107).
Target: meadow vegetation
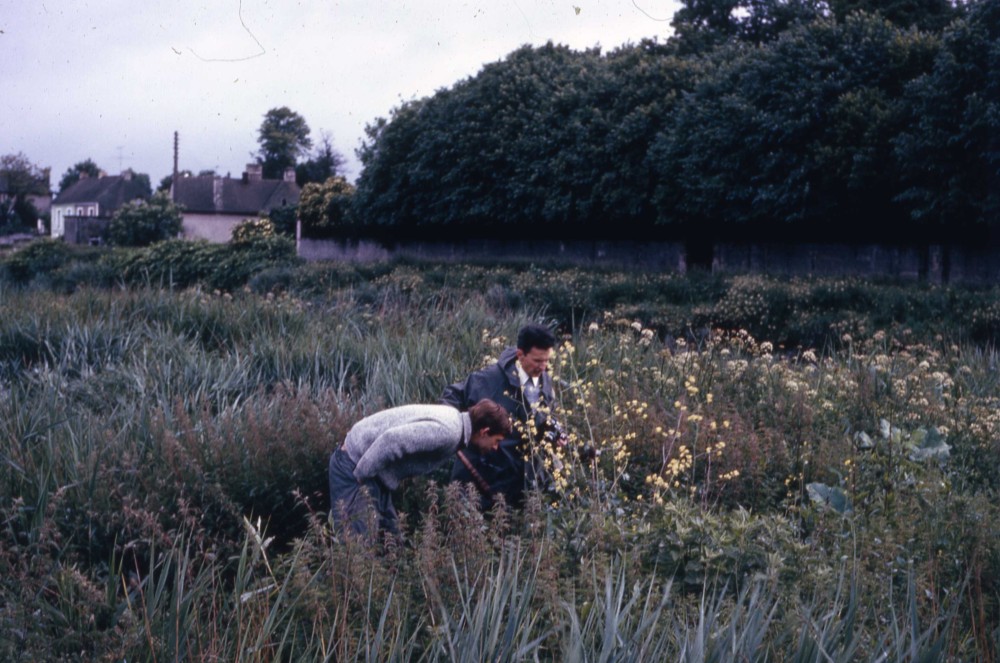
(758,468)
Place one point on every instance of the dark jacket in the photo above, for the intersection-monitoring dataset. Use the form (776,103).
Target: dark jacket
(505,469)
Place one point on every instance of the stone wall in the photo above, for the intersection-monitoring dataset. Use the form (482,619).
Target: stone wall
(935,263)
(84,229)
(658,256)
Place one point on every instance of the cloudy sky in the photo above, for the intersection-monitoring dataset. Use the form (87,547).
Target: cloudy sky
(111,80)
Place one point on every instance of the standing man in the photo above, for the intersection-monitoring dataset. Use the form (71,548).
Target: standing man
(520,382)
(389,446)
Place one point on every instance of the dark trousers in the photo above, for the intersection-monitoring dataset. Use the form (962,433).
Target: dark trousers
(352,503)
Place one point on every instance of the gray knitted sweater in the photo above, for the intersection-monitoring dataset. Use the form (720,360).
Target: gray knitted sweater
(406,441)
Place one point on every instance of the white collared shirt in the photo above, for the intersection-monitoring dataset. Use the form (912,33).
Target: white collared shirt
(525,378)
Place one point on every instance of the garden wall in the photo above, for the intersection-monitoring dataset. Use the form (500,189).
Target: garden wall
(658,256)
(84,229)
(934,263)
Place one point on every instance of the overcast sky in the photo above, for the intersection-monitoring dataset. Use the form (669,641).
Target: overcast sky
(111,80)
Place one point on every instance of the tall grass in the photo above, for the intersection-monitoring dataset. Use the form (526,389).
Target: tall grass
(163,458)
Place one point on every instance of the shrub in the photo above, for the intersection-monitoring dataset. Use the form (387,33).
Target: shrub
(326,208)
(250,231)
(145,222)
(172,263)
(239,262)
(284,219)
(42,256)
(273,279)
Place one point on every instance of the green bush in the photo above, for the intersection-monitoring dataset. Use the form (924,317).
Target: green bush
(41,256)
(237,263)
(273,279)
(145,222)
(252,230)
(172,263)
(284,219)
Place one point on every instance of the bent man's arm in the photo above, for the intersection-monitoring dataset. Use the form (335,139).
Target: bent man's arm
(392,449)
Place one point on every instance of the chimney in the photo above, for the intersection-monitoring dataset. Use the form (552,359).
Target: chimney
(253,173)
(217,193)
(290,174)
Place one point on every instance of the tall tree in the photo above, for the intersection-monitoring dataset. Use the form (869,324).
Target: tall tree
(168,180)
(73,173)
(144,179)
(796,136)
(950,152)
(20,179)
(548,141)
(283,137)
(325,162)
(702,25)
(503,149)
(931,15)
(639,92)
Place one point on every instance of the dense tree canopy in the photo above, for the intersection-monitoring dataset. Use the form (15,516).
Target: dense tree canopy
(550,140)
(283,137)
(923,14)
(949,152)
(325,208)
(20,180)
(144,222)
(703,25)
(73,173)
(777,118)
(795,132)
(325,162)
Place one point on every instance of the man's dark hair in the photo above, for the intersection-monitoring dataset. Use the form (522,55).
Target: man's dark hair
(490,415)
(535,336)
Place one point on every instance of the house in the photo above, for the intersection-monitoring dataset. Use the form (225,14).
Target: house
(81,213)
(214,205)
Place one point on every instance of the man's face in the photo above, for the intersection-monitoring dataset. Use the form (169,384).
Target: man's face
(485,442)
(534,361)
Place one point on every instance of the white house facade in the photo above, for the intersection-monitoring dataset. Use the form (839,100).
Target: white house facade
(88,202)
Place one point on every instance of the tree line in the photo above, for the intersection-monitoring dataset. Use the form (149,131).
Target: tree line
(797,119)
(863,120)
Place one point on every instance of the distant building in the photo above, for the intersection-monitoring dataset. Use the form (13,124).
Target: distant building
(214,205)
(82,212)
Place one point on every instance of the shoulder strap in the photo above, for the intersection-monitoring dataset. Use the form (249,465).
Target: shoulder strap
(477,478)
